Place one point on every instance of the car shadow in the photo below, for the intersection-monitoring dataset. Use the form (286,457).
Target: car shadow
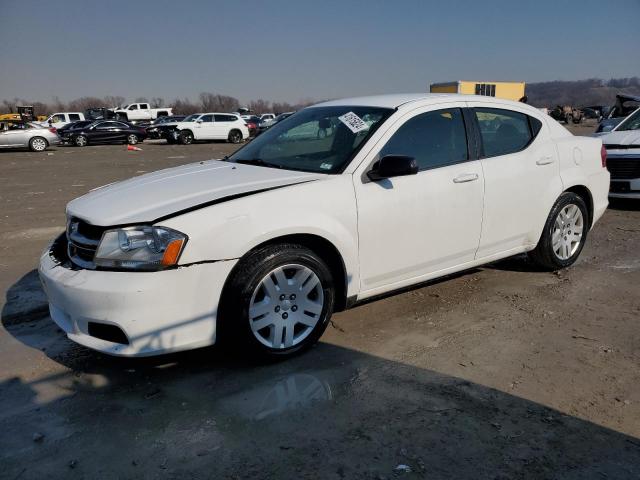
(332,412)
(624,204)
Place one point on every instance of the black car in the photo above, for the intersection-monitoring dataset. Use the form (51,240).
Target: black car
(107,131)
(270,123)
(153,130)
(65,132)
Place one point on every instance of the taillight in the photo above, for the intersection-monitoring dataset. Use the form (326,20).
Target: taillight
(603,156)
(53,129)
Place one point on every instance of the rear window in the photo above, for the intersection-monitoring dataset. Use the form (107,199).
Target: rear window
(505,131)
(74,117)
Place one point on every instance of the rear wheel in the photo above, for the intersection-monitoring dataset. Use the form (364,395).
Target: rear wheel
(132,139)
(80,141)
(186,137)
(279,300)
(564,235)
(38,144)
(235,136)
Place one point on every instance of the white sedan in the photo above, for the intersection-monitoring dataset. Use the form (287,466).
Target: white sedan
(342,201)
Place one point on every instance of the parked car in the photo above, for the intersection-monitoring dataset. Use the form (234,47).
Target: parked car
(623,157)
(267,116)
(65,132)
(267,124)
(252,124)
(567,114)
(141,111)
(60,119)
(206,126)
(624,106)
(153,130)
(29,135)
(99,113)
(106,131)
(261,248)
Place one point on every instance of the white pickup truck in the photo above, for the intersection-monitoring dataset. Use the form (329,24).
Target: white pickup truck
(60,119)
(141,111)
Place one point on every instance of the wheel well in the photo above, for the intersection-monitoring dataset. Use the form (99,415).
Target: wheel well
(584,193)
(235,130)
(325,250)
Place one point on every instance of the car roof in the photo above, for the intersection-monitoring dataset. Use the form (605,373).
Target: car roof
(399,99)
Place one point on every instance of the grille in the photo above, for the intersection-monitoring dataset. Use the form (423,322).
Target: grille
(83,242)
(624,167)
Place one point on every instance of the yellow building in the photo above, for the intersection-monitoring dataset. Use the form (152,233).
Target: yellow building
(508,90)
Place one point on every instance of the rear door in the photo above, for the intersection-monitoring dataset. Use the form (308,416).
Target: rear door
(412,227)
(224,124)
(522,177)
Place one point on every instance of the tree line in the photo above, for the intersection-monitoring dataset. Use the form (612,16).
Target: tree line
(580,93)
(206,102)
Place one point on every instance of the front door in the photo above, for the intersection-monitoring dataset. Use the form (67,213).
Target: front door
(413,227)
(204,128)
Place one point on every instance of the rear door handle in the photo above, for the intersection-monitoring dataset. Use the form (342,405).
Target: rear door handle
(465,177)
(545,160)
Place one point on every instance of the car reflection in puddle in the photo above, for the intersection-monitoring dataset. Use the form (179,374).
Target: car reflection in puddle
(292,392)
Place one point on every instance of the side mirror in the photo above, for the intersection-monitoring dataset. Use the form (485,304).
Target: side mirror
(199,120)
(393,166)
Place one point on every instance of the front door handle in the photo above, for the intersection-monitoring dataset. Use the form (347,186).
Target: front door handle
(465,177)
(545,160)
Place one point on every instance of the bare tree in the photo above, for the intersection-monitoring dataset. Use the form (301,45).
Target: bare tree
(114,100)
(184,107)
(260,106)
(157,102)
(141,100)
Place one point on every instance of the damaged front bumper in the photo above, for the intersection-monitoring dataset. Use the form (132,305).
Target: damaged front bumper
(134,313)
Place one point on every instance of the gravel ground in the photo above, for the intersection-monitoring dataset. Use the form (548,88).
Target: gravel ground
(500,372)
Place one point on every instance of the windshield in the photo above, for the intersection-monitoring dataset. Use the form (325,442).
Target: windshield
(192,118)
(316,139)
(632,122)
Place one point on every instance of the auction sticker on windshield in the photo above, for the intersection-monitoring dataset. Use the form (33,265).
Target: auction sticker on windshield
(353,122)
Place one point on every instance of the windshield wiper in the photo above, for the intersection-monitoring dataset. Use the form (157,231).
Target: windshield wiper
(258,162)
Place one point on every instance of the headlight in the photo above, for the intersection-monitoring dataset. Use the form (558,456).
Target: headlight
(140,248)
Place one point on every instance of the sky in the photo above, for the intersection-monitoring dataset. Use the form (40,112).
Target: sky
(283,50)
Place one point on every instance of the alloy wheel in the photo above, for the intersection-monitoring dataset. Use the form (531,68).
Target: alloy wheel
(567,231)
(132,139)
(38,144)
(286,306)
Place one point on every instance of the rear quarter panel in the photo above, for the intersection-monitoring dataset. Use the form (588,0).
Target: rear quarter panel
(581,165)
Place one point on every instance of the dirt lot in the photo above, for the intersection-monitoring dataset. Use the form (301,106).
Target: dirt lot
(502,372)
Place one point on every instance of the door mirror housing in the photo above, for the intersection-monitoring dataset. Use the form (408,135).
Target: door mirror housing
(393,166)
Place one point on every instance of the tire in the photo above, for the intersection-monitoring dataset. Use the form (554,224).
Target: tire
(80,141)
(559,246)
(279,325)
(132,139)
(235,136)
(38,144)
(569,119)
(186,137)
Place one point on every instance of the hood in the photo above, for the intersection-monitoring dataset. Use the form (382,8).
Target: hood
(153,196)
(631,138)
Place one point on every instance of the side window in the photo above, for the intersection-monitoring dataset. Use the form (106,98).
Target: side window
(74,117)
(505,131)
(434,139)
(58,118)
(206,118)
(225,118)
(144,106)
(133,107)
(107,125)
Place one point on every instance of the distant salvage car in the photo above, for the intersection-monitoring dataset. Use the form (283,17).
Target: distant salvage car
(625,105)
(623,157)
(141,111)
(260,249)
(60,119)
(106,131)
(153,130)
(27,135)
(267,124)
(206,126)
(567,114)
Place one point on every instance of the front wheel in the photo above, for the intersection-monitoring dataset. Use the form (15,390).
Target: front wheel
(279,300)
(80,141)
(38,144)
(564,235)
(235,136)
(186,138)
